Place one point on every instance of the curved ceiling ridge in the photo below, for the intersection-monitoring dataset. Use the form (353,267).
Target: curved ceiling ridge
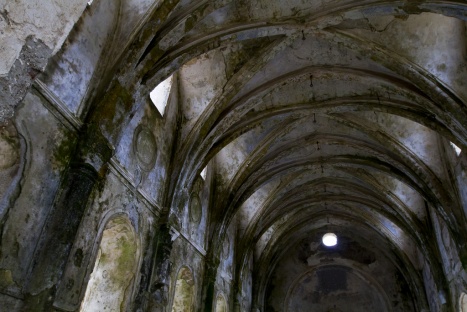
(301,103)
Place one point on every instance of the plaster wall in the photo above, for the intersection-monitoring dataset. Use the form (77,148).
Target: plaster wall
(200,81)
(141,177)
(452,265)
(113,199)
(195,215)
(44,153)
(460,174)
(49,21)
(245,295)
(83,54)
(144,147)
(226,273)
(184,254)
(440,48)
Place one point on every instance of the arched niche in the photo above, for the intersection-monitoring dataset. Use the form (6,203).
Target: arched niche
(463,302)
(221,304)
(336,288)
(184,291)
(110,284)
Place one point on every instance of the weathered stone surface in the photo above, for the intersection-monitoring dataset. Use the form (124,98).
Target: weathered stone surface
(283,120)
(15,85)
(49,21)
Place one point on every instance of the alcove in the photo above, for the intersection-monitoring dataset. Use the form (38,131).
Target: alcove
(109,287)
(221,305)
(184,291)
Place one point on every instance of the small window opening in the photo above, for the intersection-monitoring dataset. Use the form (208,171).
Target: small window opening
(160,95)
(203,173)
(456,148)
(330,239)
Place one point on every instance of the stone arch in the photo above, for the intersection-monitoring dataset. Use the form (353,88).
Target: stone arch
(184,291)
(110,283)
(221,304)
(463,302)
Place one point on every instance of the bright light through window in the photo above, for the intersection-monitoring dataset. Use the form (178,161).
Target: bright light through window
(90,2)
(456,148)
(203,173)
(330,239)
(160,94)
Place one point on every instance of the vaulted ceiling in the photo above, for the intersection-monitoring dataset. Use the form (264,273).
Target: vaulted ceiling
(309,117)
(317,116)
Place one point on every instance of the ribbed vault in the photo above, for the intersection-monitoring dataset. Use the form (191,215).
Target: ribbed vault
(317,116)
(229,136)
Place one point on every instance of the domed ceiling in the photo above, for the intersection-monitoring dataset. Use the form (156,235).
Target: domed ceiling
(319,116)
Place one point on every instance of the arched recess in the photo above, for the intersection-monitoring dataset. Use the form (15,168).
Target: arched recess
(184,291)
(221,304)
(338,285)
(463,302)
(110,284)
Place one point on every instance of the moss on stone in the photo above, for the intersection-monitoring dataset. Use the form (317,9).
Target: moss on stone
(126,259)
(6,279)
(63,152)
